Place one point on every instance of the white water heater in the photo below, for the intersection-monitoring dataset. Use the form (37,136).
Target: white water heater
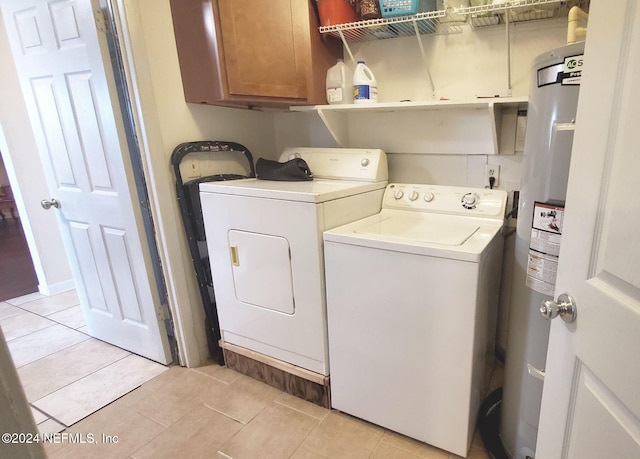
(553,101)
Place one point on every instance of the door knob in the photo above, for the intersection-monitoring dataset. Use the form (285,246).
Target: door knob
(565,307)
(46,205)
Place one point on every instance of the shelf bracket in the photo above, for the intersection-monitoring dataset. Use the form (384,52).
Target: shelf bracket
(424,58)
(496,123)
(336,124)
(345,43)
(507,12)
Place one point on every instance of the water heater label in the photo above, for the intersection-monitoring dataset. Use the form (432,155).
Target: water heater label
(565,73)
(572,69)
(544,247)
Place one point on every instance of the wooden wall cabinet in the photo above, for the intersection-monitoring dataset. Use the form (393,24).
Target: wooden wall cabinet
(252,53)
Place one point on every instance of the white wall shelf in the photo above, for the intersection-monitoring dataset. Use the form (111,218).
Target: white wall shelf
(476,126)
(446,22)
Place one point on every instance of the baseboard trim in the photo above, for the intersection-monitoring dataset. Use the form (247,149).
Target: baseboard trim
(58,287)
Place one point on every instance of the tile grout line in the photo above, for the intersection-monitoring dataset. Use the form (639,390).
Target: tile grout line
(133,454)
(8,301)
(307,436)
(64,348)
(378,443)
(212,377)
(242,424)
(49,318)
(302,412)
(229,416)
(38,299)
(79,379)
(49,416)
(94,412)
(32,332)
(117,397)
(237,420)
(71,328)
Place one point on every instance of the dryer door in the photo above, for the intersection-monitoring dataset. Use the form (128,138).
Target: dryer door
(261,266)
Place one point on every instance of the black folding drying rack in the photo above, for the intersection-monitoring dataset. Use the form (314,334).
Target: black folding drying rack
(189,202)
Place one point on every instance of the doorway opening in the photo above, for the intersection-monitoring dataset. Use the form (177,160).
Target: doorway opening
(17,274)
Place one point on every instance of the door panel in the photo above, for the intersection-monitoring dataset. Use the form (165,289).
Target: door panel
(64,23)
(595,401)
(59,57)
(28,31)
(87,266)
(83,102)
(47,108)
(590,404)
(124,279)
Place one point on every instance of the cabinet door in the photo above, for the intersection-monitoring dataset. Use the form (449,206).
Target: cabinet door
(266,48)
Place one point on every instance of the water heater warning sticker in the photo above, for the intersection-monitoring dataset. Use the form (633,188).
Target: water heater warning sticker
(544,248)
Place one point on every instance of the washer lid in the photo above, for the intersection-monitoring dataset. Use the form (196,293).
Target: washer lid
(412,227)
(420,233)
(314,191)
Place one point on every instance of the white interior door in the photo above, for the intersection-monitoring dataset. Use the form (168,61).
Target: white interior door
(591,397)
(58,51)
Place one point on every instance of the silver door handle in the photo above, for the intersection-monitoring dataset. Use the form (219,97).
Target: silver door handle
(564,307)
(46,205)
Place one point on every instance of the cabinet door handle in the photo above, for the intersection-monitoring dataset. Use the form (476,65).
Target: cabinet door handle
(234,255)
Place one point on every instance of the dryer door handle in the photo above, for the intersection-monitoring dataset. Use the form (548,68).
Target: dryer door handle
(235,261)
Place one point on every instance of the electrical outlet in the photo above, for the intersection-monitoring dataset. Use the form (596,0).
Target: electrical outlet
(491,170)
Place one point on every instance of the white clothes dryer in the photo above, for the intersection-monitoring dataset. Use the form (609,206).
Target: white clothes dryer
(266,253)
(412,297)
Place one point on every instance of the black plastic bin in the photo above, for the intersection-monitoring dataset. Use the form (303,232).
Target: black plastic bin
(189,202)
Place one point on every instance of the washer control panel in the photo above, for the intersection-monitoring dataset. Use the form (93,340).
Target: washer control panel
(478,202)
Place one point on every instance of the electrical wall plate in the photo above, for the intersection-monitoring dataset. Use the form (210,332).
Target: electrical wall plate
(492,170)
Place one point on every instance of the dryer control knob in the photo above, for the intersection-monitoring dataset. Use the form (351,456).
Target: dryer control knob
(414,195)
(469,201)
(398,194)
(429,197)
(365,162)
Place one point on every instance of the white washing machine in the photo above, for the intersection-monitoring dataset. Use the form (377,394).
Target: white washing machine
(412,296)
(266,253)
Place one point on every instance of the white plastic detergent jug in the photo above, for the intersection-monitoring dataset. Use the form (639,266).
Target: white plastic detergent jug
(338,84)
(365,86)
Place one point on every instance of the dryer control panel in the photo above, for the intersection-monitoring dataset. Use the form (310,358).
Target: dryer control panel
(451,200)
(357,164)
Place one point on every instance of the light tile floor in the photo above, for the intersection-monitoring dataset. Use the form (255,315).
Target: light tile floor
(142,410)
(66,374)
